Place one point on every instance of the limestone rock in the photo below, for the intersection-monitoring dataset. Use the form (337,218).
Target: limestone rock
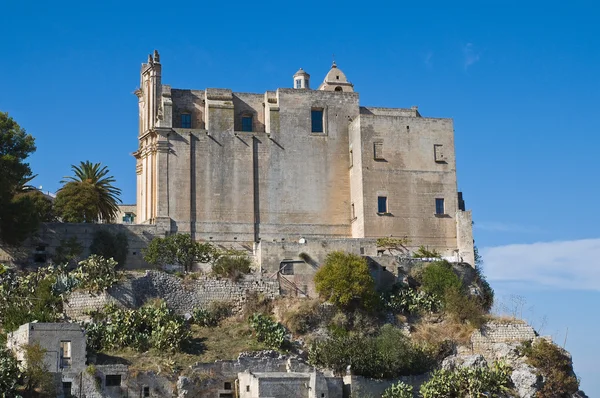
(526,381)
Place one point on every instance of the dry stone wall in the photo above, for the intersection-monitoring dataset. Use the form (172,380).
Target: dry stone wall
(180,295)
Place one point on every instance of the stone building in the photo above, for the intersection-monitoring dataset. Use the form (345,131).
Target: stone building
(295,163)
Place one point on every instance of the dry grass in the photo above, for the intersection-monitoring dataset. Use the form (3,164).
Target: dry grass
(298,315)
(224,342)
(505,319)
(435,333)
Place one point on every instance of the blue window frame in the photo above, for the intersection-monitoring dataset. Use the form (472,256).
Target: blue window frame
(316,117)
(439,206)
(247,123)
(186,121)
(382,204)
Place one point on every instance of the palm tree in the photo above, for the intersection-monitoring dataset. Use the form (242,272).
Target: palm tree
(23,185)
(95,175)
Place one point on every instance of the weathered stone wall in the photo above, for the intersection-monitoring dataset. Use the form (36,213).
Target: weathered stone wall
(488,340)
(411,178)
(180,295)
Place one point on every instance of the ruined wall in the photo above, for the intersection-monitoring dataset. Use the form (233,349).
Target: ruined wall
(359,386)
(492,335)
(180,295)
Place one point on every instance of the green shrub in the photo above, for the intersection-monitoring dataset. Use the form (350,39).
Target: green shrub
(412,301)
(151,326)
(232,266)
(96,274)
(439,276)
(423,252)
(211,316)
(398,390)
(9,374)
(267,330)
(68,251)
(385,355)
(109,245)
(345,280)
(555,366)
(257,303)
(487,293)
(468,382)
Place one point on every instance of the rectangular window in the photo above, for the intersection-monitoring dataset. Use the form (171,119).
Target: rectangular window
(439,206)
(67,386)
(316,117)
(438,152)
(351,158)
(382,204)
(113,380)
(146,391)
(65,354)
(246,123)
(186,121)
(287,268)
(378,151)
(298,83)
(352,212)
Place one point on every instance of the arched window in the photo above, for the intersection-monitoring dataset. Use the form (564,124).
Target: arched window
(338,88)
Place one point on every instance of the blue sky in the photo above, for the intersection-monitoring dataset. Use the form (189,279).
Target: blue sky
(520,80)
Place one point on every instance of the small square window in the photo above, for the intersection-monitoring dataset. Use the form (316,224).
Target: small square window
(439,206)
(113,380)
(382,206)
(247,123)
(227,386)
(316,116)
(186,121)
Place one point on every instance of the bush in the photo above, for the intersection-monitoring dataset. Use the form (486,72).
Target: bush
(345,280)
(257,303)
(68,251)
(463,307)
(468,382)
(437,277)
(386,355)
(109,245)
(423,252)
(412,301)
(302,319)
(398,390)
(151,326)
(38,380)
(9,374)
(96,274)
(232,267)
(555,366)
(178,249)
(267,331)
(211,316)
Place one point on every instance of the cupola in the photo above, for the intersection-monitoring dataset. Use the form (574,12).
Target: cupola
(336,81)
(301,79)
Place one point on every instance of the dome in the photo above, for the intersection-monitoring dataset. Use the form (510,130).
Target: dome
(301,72)
(336,80)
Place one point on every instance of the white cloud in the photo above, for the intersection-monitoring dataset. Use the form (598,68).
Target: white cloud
(564,264)
(470,54)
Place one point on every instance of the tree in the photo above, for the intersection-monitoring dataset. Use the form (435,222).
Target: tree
(39,382)
(107,194)
(109,245)
(345,280)
(15,146)
(77,203)
(178,249)
(9,374)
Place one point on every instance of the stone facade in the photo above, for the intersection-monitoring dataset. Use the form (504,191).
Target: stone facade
(295,163)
